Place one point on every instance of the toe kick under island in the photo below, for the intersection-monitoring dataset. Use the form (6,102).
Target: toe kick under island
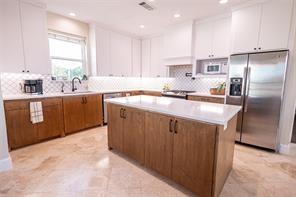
(191,143)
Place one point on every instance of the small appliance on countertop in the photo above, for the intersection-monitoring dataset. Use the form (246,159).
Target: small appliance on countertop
(33,86)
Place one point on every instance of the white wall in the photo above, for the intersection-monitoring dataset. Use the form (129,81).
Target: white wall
(288,109)
(5,162)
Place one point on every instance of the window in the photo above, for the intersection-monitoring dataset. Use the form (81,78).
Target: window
(67,56)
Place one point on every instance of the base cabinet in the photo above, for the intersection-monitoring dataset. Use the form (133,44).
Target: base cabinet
(126,131)
(197,155)
(193,155)
(20,130)
(81,112)
(158,143)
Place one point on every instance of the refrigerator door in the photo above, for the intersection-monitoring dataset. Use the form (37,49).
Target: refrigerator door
(264,90)
(237,69)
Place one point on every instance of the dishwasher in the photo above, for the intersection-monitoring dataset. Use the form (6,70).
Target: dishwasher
(109,96)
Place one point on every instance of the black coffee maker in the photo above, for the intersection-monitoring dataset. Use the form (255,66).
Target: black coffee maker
(33,86)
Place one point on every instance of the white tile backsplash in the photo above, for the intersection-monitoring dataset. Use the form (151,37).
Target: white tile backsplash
(11,82)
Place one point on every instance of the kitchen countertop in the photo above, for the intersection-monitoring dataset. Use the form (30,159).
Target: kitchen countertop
(205,95)
(200,111)
(50,95)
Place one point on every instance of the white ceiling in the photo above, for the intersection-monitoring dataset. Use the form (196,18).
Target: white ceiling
(127,15)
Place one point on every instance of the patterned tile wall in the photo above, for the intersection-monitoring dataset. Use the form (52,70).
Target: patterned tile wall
(182,82)
(11,83)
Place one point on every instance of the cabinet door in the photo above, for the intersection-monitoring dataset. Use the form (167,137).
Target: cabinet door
(146,57)
(178,41)
(36,47)
(158,143)
(121,54)
(53,124)
(193,155)
(204,40)
(157,67)
(20,130)
(136,70)
(133,134)
(275,24)
(115,127)
(245,29)
(93,111)
(73,114)
(13,55)
(221,38)
(103,52)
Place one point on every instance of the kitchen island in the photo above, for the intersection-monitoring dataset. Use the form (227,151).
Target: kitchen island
(189,142)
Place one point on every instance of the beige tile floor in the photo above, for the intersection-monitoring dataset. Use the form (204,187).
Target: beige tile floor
(81,165)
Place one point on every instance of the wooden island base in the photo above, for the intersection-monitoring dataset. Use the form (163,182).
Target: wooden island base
(196,155)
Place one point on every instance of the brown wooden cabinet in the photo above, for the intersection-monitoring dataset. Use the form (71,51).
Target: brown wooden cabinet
(115,127)
(194,154)
(20,130)
(126,131)
(81,112)
(158,143)
(206,99)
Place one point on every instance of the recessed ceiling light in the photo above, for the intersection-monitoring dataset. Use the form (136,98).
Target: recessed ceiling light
(151,0)
(72,14)
(223,1)
(142,26)
(177,15)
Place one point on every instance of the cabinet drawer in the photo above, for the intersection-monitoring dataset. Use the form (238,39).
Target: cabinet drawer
(206,99)
(24,104)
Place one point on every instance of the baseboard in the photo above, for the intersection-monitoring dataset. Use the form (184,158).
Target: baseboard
(284,149)
(5,164)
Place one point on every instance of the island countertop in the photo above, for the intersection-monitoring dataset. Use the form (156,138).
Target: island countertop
(212,113)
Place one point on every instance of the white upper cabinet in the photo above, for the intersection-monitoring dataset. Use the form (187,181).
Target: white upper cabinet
(146,57)
(35,36)
(157,67)
(121,55)
(25,38)
(136,63)
(13,55)
(221,38)
(275,24)
(245,29)
(212,39)
(178,42)
(264,26)
(102,39)
(204,40)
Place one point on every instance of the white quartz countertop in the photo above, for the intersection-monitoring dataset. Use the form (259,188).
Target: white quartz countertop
(206,95)
(50,95)
(212,113)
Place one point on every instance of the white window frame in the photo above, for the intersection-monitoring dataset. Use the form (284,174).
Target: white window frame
(73,39)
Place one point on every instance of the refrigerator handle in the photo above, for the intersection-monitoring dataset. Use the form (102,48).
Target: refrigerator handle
(247,89)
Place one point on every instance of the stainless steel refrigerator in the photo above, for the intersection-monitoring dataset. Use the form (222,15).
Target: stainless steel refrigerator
(256,82)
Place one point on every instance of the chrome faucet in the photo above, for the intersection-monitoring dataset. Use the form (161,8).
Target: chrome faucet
(73,84)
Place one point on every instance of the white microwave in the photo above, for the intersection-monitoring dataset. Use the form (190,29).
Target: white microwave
(215,68)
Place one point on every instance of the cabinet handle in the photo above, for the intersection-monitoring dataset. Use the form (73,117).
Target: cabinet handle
(171,126)
(255,49)
(259,48)
(121,110)
(124,113)
(23,71)
(176,126)
(28,71)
